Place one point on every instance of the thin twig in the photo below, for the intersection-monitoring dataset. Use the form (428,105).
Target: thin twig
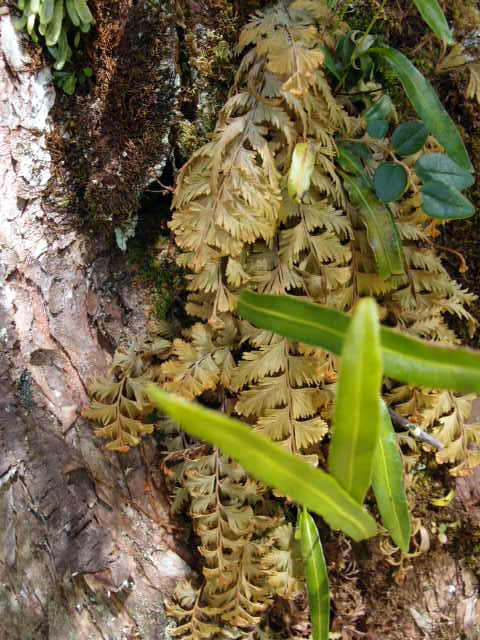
(401,424)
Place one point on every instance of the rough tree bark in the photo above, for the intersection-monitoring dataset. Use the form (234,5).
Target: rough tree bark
(86,550)
(86,547)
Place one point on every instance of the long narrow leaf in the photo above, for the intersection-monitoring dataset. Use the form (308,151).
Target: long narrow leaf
(382,235)
(433,15)
(269,463)
(426,103)
(388,486)
(405,359)
(356,423)
(316,575)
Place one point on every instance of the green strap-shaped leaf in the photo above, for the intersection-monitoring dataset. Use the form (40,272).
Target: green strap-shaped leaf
(388,486)
(426,103)
(433,15)
(46,11)
(381,231)
(405,359)
(301,169)
(356,423)
(269,463)
(316,575)
(72,12)
(54,28)
(84,12)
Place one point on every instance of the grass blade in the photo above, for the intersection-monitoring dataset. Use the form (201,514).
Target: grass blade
(269,463)
(356,423)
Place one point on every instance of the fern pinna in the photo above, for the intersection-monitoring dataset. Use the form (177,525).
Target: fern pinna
(236,226)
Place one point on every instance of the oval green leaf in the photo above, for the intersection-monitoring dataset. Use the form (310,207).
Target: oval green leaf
(301,169)
(426,103)
(433,15)
(356,423)
(439,200)
(316,576)
(405,359)
(377,129)
(390,181)
(409,137)
(269,463)
(381,230)
(388,485)
(438,166)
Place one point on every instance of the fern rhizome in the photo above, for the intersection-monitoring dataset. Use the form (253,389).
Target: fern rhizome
(236,226)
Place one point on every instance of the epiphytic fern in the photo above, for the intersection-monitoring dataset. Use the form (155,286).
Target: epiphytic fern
(237,226)
(119,402)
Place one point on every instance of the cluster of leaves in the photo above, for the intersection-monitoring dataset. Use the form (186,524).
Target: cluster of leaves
(59,24)
(363,449)
(274,203)
(386,165)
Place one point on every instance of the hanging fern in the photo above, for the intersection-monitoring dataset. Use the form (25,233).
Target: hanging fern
(237,226)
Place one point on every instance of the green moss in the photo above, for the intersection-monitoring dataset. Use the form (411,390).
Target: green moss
(162,275)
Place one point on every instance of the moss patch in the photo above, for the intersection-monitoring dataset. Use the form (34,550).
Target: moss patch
(115,136)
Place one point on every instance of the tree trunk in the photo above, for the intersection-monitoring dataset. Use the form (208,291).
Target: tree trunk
(86,547)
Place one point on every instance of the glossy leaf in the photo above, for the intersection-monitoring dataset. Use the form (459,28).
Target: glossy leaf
(269,463)
(381,231)
(409,137)
(426,103)
(301,169)
(390,181)
(438,166)
(433,15)
(356,423)
(316,575)
(388,485)
(377,129)
(405,359)
(440,200)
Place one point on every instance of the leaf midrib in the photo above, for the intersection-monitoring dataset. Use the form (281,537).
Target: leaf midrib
(340,335)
